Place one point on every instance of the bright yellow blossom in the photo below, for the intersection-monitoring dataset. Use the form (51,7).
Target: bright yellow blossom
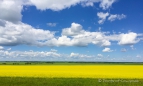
(73,71)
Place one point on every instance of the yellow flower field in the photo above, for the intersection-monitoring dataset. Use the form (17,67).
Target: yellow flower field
(73,71)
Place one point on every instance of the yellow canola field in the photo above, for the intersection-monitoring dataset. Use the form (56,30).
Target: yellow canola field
(73,71)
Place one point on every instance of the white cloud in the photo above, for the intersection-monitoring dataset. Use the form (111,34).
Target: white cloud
(77,55)
(40,56)
(121,16)
(66,41)
(105,4)
(123,50)
(107,50)
(63,41)
(1,48)
(55,56)
(28,55)
(128,38)
(11,10)
(52,24)
(116,16)
(54,50)
(103,42)
(112,17)
(80,37)
(84,4)
(75,29)
(54,4)
(99,55)
(20,33)
(62,4)
(102,16)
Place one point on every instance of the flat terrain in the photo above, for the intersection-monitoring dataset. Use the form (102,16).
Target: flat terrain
(72,71)
(70,74)
(30,81)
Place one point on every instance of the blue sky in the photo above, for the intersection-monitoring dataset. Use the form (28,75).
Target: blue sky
(75,30)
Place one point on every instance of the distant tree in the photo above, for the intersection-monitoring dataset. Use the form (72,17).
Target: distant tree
(4,63)
(15,63)
(28,63)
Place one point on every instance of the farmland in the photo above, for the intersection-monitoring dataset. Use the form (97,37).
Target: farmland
(73,71)
(59,74)
(30,81)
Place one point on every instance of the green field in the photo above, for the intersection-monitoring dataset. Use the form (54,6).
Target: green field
(22,81)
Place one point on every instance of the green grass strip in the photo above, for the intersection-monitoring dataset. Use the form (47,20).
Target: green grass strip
(25,81)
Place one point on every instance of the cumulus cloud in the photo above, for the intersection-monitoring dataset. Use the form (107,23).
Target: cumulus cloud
(11,10)
(112,17)
(100,39)
(28,55)
(77,55)
(128,38)
(60,41)
(40,56)
(105,4)
(54,4)
(63,41)
(20,33)
(80,37)
(31,55)
(116,16)
(62,4)
(66,41)
(102,16)
(88,3)
(52,24)
(16,34)
(75,29)
(107,50)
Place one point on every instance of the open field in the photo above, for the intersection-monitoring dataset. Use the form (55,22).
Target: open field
(70,74)
(29,81)
(72,71)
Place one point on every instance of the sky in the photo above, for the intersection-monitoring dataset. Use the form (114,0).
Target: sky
(71,30)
